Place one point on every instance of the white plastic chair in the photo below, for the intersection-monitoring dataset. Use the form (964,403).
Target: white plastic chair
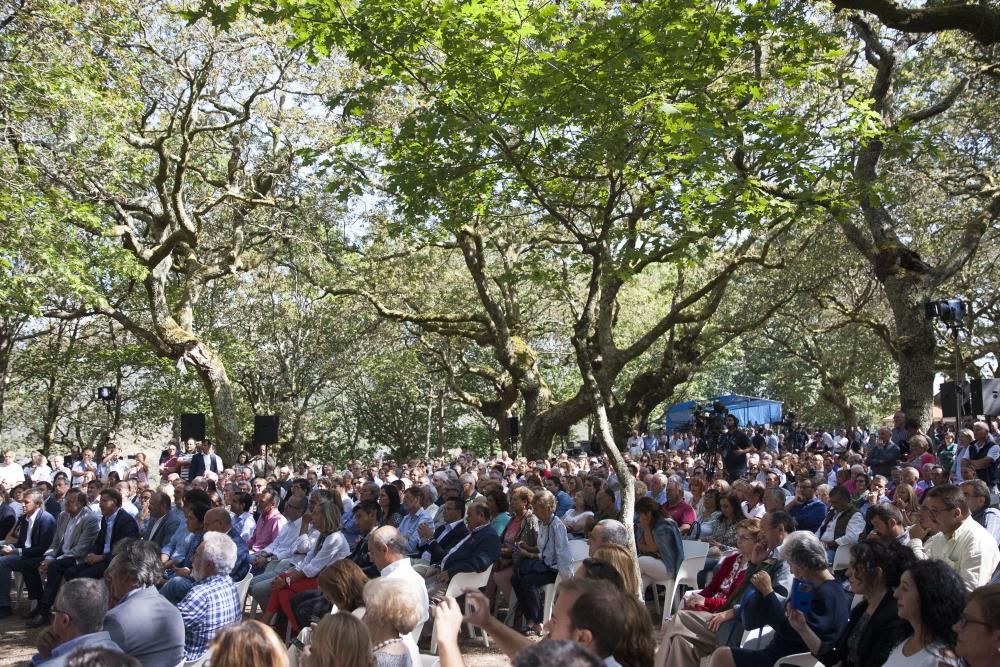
(799,660)
(19,587)
(579,550)
(243,588)
(458,583)
(549,599)
(764,636)
(695,548)
(687,575)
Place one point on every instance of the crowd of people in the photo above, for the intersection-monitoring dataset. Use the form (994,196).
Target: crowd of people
(861,549)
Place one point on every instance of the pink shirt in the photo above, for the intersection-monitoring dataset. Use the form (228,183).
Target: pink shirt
(682,513)
(266,530)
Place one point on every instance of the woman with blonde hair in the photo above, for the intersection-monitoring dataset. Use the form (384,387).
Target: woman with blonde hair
(247,644)
(331,546)
(339,640)
(906,500)
(623,560)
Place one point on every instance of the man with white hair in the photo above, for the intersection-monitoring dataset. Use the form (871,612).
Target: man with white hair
(213,602)
(607,532)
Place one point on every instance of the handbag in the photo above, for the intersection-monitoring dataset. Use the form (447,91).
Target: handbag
(532,566)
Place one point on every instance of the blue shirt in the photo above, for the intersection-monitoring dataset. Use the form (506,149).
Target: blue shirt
(101,639)
(408,528)
(110,529)
(564,503)
(210,605)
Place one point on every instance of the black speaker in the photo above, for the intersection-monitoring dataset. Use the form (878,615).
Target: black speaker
(948,401)
(512,427)
(265,430)
(986,397)
(192,426)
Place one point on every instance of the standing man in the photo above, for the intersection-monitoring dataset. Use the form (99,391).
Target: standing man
(884,455)
(206,460)
(11,474)
(25,545)
(736,449)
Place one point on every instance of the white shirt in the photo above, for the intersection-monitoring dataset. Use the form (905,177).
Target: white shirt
(927,657)
(12,474)
(334,548)
(402,569)
(289,545)
(970,551)
(42,473)
(855,526)
(31,524)
(448,528)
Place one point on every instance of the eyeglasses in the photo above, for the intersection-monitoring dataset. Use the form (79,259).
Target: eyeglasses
(963,621)
(60,611)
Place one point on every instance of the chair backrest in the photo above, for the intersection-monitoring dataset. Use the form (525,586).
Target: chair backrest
(464,580)
(243,588)
(579,549)
(695,548)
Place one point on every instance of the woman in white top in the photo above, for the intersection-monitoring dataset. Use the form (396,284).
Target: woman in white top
(331,546)
(930,597)
(580,517)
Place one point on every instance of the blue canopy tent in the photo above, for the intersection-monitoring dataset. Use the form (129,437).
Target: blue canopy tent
(748,409)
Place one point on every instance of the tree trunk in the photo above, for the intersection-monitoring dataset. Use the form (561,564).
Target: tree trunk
(539,428)
(212,373)
(917,343)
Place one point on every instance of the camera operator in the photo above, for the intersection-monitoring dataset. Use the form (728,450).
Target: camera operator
(736,447)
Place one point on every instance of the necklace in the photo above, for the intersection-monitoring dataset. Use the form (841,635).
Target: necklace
(381,645)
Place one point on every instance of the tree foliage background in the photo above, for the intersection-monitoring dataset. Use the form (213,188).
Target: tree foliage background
(395,225)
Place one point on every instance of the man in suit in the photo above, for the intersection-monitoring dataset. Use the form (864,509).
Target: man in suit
(446,536)
(76,528)
(163,520)
(116,525)
(25,544)
(474,553)
(205,461)
(142,622)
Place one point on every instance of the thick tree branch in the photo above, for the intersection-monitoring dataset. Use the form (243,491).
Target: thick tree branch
(980,20)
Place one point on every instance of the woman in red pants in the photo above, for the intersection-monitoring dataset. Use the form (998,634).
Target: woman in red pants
(330,546)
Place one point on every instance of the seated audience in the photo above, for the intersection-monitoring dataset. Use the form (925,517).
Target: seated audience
(78,616)
(841,529)
(330,547)
(540,564)
(388,551)
(163,519)
(141,621)
(825,608)
(624,561)
(659,543)
(807,510)
(475,553)
(25,545)
(213,602)
(930,597)
(690,634)
(341,588)
(874,627)
(270,521)
(607,531)
(285,551)
(978,498)
(579,519)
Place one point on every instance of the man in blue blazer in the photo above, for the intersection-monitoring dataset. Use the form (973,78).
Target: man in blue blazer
(141,621)
(26,543)
(476,552)
(116,525)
